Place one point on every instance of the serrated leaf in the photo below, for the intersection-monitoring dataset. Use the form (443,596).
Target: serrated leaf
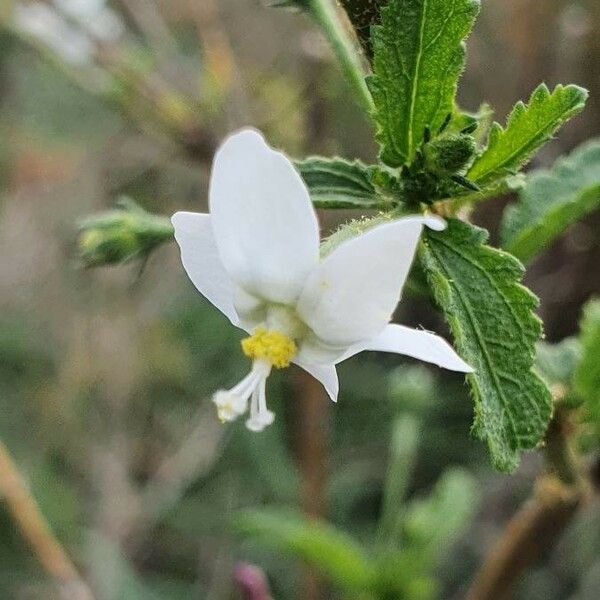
(552,200)
(528,127)
(418,57)
(495,330)
(339,183)
(587,375)
(333,552)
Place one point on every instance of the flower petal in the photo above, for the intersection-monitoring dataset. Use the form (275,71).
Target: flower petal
(264,223)
(326,374)
(416,343)
(351,295)
(201,261)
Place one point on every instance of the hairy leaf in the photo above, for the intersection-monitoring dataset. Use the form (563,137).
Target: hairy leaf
(552,200)
(495,330)
(587,375)
(528,127)
(418,57)
(333,552)
(339,183)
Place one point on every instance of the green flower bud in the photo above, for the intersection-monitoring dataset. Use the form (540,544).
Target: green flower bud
(449,154)
(122,234)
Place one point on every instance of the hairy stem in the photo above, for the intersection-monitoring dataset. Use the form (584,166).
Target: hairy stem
(346,52)
(35,529)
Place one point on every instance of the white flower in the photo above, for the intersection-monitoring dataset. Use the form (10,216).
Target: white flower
(256,258)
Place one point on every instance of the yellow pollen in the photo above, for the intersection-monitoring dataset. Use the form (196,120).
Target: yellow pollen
(273,346)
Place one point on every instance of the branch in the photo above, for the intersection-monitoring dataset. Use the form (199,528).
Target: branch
(36,530)
(540,522)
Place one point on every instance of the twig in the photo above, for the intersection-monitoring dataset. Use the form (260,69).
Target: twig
(36,530)
(533,529)
(540,522)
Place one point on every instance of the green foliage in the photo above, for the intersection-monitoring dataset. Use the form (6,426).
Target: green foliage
(122,234)
(587,375)
(528,127)
(495,329)
(403,453)
(430,523)
(556,363)
(339,183)
(418,57)
(424,528)
(331,551)
(552,200)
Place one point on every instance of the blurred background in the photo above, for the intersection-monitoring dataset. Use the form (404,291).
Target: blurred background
(106,374)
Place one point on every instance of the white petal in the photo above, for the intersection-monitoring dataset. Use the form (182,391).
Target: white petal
(326,374)
(201,261)
(416,343)
(264,223)
(313,351)
(351,295)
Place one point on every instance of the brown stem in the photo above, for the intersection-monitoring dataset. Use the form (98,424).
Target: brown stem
(540,522)
(312,424)
(36,530)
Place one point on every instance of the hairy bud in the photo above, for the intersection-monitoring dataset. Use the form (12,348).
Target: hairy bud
(121,234)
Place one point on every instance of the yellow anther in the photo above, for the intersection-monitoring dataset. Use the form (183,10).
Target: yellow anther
(273,346)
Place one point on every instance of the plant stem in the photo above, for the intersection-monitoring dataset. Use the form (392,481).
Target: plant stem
(311,420)
(540,522)
(346,52)
(532,530)
(36,530)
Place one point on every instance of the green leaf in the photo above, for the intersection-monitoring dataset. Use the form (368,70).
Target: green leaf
(495,329)
(418,57)
(587,375)
(339,183)
(528,127)
(333,552)
(552,200)
(556,363)
(431,522)
(403,453)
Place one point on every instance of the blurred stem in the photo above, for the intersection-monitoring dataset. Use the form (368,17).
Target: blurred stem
(312,429)
(35,529)
(403,451)
(326,15)
(540,522)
